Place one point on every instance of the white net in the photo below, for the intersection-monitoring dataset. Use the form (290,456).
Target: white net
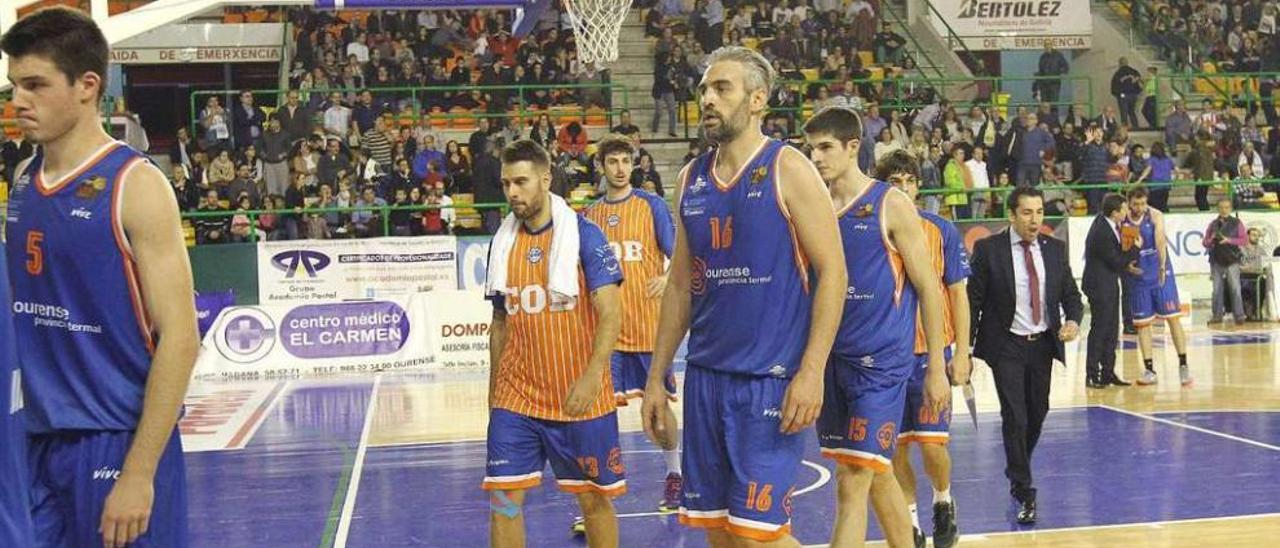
(596,24)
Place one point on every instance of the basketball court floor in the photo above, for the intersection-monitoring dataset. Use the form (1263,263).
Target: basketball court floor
(397,460)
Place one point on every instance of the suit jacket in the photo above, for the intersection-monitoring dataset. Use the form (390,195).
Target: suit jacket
(992,301)
(244,121)
(1104,258)
(296,124)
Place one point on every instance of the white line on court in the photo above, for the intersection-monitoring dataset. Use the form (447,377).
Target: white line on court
(353,484)
(824,476)
(1195,428)
(1032,531)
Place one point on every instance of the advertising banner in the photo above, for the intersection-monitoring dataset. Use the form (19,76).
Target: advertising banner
(1019,24)
(448,329)
(304,271)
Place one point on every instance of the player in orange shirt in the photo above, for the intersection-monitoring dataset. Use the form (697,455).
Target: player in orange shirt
(550,392)
(641,232)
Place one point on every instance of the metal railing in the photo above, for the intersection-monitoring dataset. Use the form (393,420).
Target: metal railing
(1252,91)
(415,98)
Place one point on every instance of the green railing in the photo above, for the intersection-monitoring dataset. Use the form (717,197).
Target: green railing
(901,89)
(416,95)
(952,37)
(1234,89)
(892,12)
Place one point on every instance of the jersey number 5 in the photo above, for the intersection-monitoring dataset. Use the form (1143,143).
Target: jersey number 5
(35,255)
(721,236)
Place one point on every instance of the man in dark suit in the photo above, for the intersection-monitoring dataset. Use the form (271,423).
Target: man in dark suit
(247,121)
(1105,259)
(295,118)
(1020,288)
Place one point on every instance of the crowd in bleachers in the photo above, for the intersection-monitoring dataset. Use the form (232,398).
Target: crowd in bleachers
(1221,35)
(340,138)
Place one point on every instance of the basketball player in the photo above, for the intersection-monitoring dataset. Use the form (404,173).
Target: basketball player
(759,336)
(1155,290)
(931,430)
(641,233)
(103,312)
(873,358)
(549,387)
(15,513)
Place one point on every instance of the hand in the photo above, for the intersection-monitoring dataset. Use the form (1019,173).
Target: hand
(1133,269)
(1137,240)
(802,402)
(584,391)
(1069,331)
(961,369)
(654,413)
(127,511)
(655,287)
(937,392)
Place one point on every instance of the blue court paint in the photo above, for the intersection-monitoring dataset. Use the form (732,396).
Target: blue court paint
(278,490)
(1093,467)
(1254,425)
(1130,342)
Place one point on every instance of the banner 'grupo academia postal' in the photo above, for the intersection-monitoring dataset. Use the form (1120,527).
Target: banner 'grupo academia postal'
(444,330)
(316,271)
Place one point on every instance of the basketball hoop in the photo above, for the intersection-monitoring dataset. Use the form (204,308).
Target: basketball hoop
(596,24)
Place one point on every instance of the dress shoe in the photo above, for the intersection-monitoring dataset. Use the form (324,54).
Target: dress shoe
(1095,383)
(1026,512)
(1117,381)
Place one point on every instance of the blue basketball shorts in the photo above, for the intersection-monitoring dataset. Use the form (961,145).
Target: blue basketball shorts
(584,455)
(1147,303)
(861,409)
(631,375)
(72,474)
(739,470)
(919,423)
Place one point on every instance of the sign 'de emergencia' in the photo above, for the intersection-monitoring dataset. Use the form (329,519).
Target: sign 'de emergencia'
(281,341)
(334,270)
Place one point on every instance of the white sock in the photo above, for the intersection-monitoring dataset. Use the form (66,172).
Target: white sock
(673,461)
(915,515)
(941,496)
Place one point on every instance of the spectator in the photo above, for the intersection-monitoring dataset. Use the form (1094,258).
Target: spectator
(1052,64)
(572,143)
(980,179)
(930,179)
(1199,165)
(956,179)
(440,218)
(400,218)
(244,186)
(1139,166)
(217,130)
(275,157)
(358,49)
(367,110)
(269,223)
(1036,143)
(890,46)
(211,229)
(487,177)
(714,21)
(365,168)
(1107,122)
(427,155)
(186,192)
(291,216)
(1250,157)
(625,127)
(458,166)
(885,144)
(221,171)
(664,93)
(248,119)
(476,142)
(1223,240)
(1253,269)
(1178,127)
(646,172)
(1093,167)
(332,161)
(1150,90)
(240,224)
(401,177)
(337,117)
(378,145)
(366,220)
(327,224)
(1162,170)
(249,155)
(180,154)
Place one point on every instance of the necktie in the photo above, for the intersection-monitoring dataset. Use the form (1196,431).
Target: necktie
(1033,281)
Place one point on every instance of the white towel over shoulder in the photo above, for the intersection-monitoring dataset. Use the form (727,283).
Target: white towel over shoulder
(564,256)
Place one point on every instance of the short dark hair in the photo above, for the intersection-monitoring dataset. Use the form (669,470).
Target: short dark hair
(1138,191)
(842,123)
(614,144)
(69,38)
(526,150)
(1022,192)
(1111,203)
(898,161)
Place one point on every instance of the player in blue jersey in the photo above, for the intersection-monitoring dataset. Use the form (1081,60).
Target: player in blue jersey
(931,431)
(105,324)
(753,218)
(873,358)
(15,511)
(1155,288)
